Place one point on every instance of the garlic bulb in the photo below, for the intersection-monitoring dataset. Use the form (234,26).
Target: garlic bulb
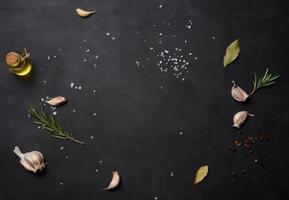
(239,118)
(56,101)
(114,181)
(238,93)
(32,161)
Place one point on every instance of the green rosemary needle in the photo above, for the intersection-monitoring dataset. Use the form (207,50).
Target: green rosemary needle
(264,81)
(49,123)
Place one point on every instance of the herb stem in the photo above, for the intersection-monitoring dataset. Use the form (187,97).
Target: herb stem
(266,80)
(49,123)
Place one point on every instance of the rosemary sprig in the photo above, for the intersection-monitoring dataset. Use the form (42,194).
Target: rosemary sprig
(266,80)
(49,123)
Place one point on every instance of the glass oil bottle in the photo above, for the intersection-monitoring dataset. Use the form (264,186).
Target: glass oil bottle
(19,63)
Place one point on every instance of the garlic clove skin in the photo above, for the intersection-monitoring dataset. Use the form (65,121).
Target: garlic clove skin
(32,161)
(239,118)
(83,13)
(57,101)
(114,181)
(238,93)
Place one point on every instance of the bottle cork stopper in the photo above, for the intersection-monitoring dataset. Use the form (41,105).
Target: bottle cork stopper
(12,59)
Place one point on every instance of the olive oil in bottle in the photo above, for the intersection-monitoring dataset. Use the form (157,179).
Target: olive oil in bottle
(19,63)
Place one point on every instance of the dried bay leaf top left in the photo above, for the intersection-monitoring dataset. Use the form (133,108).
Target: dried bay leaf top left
(232,52)
(201,174)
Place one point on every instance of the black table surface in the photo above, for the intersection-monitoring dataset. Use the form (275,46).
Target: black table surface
(155,127)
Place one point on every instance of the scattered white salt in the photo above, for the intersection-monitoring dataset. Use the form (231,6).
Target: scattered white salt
(97,56)
(54,56)
(94,91)
(160,6)
(71,84)
(44,81)
(61,148)
(181,133)
(213,37)
(84,60)
(87,50)
(91,137)
(79,87)
(73,110)
(188,26)
(107,34)
(59,49)
(137,63)
(94,114)
(172,173)
(96,170)
(113,38)
(54,113)
(100,161)
(196,58)
(48,57)
(61,183)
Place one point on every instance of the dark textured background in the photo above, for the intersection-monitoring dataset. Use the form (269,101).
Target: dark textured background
(140,111)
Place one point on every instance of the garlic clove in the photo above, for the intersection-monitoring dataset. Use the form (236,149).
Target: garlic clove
(239,118)
(56,101)
(238,93)
(84,13)
(32,161)
(114,181)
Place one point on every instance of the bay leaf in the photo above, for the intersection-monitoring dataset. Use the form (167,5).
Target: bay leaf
(201,174)
(232,52)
